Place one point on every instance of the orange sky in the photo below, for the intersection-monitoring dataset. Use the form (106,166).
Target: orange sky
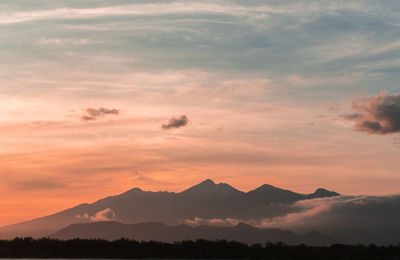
(264,88)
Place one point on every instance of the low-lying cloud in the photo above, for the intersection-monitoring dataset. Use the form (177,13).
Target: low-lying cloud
(103,215)
(92,114)
(176,122)
(377,115)
(365,219)
(214,221)
(304,209)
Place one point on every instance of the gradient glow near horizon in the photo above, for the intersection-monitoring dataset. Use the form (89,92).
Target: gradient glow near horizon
(97,97)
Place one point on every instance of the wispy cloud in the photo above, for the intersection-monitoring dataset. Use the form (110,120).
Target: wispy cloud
(176,8)
(64,41)
(138,9)
(92,114)
(37,184)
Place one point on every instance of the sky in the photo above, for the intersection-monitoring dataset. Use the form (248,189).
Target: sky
(97,97)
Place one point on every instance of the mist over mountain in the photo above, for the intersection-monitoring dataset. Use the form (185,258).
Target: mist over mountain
(156,231)
(206,200)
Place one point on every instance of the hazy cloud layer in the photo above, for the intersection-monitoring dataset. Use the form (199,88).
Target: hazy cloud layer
(365,219)
(377,115)
(304,209)
(92,114)
(176,122)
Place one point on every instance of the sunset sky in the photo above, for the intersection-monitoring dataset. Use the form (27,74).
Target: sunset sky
(97,97)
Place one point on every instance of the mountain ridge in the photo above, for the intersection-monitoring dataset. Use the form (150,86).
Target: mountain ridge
(156,231)
(206,200)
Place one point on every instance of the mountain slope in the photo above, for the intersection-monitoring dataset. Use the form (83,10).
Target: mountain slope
(159,232)
(206,200)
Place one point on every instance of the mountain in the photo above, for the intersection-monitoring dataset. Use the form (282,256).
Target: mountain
(206,200)
(322,193)
(209,188)
(268,193)
(155,231)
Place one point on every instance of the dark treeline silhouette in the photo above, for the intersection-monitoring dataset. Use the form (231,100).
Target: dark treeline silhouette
(125,249)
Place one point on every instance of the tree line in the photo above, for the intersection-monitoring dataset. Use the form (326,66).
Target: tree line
(200,249)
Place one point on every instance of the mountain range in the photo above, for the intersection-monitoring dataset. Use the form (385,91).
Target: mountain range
(206,200)
(156,231)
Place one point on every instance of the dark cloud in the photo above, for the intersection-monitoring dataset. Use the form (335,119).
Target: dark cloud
(377,115)
(176,122)
(92,114)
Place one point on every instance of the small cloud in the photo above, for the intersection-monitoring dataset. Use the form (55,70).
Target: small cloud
(176,122)
(376,115)
(92,114)
(104,215)
(83,216)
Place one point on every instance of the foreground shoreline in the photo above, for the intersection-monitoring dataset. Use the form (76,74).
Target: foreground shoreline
(46,248)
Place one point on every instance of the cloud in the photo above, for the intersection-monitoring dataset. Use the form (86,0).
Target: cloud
(37,185)
(64,41)
(351,116)
(103,215)
(303,210)
(350,219)
(376,115)
(214,221)
(92,114)
(176,122)
(148,9)
(83,216)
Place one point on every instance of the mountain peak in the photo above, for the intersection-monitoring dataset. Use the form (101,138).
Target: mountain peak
(268,193)
(207,182)
(321,192)
(210,187)
(243,225)
(269,189)
(129,193)
(266,187)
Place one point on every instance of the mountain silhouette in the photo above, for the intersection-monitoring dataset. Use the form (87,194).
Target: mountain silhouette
(156,231)
(321,193)
(210,188)
(206,200)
